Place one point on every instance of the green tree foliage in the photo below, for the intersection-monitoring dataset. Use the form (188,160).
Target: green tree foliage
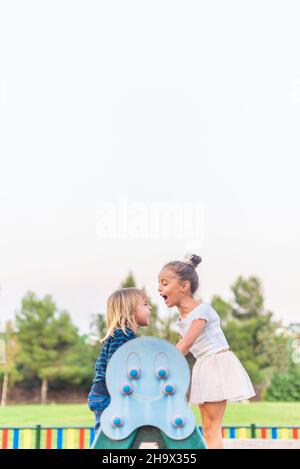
(46,347)
(10,374)
(249,301)
(285,386)
(223,307)
(98,327)
(252,332)
(129,281)
(48,342)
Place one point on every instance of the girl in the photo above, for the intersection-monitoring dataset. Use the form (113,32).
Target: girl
(217,376)
(127,310)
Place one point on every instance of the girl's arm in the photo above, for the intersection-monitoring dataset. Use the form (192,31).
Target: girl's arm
(192,334)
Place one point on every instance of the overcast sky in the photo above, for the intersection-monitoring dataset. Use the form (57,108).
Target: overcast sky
(133,132)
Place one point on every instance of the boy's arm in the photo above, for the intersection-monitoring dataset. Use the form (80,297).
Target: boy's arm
(192,334)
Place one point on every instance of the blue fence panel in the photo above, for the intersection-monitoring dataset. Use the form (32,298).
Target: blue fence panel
(16,438)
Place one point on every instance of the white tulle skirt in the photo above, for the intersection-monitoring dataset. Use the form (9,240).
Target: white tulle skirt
(220,377)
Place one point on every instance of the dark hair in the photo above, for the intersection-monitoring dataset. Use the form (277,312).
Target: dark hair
(185,270)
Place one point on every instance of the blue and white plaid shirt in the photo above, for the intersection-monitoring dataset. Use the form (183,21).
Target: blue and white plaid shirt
(99,398)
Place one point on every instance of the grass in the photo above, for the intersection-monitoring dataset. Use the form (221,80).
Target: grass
(51,414)
(260,413)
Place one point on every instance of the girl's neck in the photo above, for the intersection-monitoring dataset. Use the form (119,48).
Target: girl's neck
(187,305)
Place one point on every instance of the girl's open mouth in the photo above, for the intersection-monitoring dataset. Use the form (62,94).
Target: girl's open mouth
(164,297)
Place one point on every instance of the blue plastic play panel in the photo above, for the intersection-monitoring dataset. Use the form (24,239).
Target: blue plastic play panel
(147,379)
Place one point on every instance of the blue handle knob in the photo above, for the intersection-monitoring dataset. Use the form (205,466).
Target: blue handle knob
(169,389)
(126,388)
(178,421)
(117,422)
(162,373)
(134,373)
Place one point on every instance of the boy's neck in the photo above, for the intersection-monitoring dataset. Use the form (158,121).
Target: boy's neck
(187,305)
(134,327)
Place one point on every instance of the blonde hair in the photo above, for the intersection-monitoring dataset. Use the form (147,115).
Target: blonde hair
(121,307)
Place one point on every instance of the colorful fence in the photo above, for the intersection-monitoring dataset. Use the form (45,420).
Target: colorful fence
(253,431)
(46,437)
(81,437)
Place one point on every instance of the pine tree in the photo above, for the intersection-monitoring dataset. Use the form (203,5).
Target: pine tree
(46,335)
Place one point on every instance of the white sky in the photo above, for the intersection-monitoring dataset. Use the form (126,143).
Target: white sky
(190,104)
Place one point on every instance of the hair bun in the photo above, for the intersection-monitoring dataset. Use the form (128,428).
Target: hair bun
(193,260)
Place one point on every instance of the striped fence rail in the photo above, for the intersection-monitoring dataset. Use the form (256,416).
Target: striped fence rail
(266,432)
(39,437)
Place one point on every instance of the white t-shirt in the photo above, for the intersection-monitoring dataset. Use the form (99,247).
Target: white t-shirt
(212,339)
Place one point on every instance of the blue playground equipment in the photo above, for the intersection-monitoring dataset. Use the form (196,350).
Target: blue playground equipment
(147,379)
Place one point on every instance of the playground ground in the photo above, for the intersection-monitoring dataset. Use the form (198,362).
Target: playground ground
(249,444)
(261,444)
(260,413)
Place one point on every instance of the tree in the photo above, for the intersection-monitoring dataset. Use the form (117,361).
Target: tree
(11,374)
(46,335)
(129,281)
(77,366)
(98,327)
(248,296)
(258,346)
(252,332)
(285,385)
(223,307)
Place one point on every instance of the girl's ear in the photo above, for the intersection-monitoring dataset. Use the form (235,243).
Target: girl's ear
(186,285)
